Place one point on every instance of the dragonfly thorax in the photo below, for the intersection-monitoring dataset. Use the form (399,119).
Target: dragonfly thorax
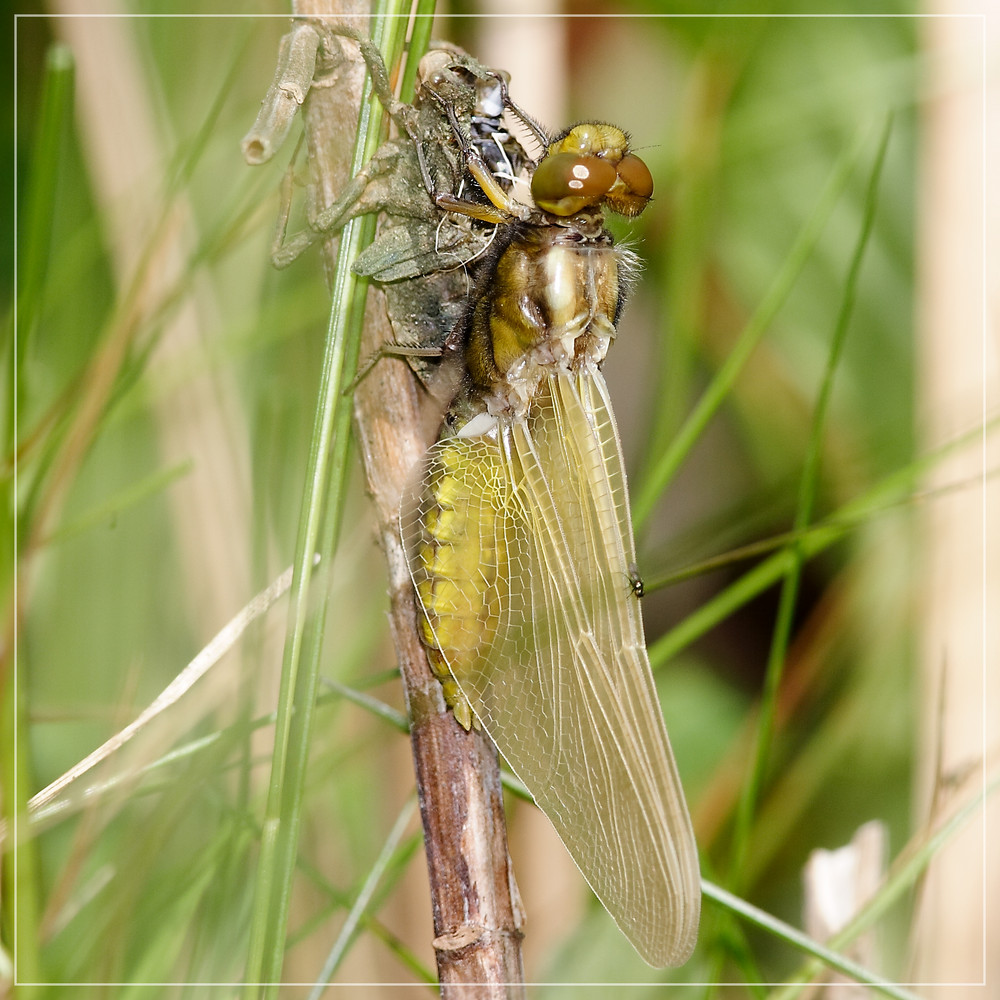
(551,306)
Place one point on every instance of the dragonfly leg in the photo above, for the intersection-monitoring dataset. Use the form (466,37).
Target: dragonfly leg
(354,200)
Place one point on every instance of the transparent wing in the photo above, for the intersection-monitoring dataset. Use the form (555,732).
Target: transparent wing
(561,679)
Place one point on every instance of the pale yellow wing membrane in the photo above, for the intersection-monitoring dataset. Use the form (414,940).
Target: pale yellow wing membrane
(559,675)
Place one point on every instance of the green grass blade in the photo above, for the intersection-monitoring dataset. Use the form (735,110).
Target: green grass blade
(340,946)
(22,905)
(377,707)
(35,234)
(423,23)
(321,513)
(828,956)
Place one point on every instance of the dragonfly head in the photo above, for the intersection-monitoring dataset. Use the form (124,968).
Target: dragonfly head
(591,165)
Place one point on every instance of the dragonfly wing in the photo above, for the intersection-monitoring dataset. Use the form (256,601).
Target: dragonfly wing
(606,776)
(560,678)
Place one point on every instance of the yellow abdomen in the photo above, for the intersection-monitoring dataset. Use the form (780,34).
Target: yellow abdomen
(461,561)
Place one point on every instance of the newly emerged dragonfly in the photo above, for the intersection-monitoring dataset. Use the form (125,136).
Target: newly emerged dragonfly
(518,530)
(521,547)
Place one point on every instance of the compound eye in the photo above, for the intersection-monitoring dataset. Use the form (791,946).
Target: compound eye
(633,188)
(636,176)
(565,183)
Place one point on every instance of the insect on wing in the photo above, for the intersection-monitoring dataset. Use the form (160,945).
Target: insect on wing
(558,672)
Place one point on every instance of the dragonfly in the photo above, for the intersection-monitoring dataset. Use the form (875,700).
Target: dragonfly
(498,268)
(520,539)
